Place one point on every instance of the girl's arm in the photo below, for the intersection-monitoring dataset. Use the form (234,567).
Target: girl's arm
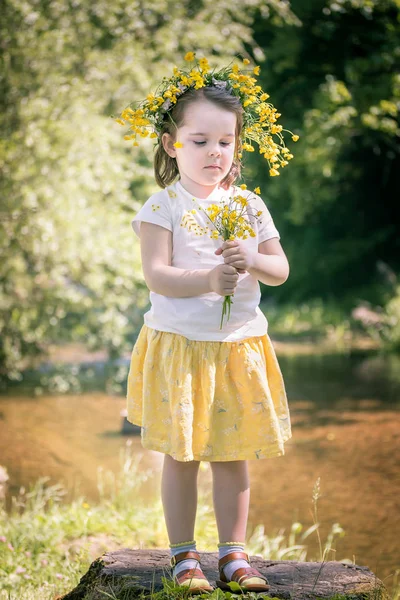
(160,276)
(269,264)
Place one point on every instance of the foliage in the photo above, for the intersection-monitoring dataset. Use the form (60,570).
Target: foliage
(333,75)
(70,266)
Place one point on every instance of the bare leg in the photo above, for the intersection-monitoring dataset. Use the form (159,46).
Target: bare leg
(179,498)
(231,495)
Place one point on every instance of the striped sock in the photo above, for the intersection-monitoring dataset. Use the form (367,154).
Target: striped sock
(189,563)
(226,548)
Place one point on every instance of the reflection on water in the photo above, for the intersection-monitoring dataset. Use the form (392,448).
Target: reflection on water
(345,415)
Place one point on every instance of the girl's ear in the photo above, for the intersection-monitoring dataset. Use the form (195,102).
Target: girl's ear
(168,144)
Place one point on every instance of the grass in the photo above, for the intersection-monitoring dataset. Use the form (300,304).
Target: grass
(47,545)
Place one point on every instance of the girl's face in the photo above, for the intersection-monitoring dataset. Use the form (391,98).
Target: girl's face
(208,146)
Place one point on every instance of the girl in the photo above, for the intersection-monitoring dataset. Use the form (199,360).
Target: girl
(199,392)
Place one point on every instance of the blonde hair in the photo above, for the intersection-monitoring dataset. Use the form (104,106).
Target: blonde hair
(165,167)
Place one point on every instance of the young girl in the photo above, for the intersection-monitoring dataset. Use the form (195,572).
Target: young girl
(201,392)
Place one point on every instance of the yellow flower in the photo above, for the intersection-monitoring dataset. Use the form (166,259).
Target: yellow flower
(214,235)
(153,135)
(120,121)
(264,97)
(256,70)
(273,172)
(189,56)
(204,66)
(243,186)
(257,190)
(246,61)
(295,138)
(178,145)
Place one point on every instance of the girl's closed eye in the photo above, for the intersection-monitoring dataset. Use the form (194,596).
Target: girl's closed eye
(222,143)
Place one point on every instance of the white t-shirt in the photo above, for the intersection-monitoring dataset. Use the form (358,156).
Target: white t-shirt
(199,317)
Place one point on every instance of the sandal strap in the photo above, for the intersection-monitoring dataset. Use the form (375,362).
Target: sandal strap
(246,573)
(233,556)
(184,556)
(190,574)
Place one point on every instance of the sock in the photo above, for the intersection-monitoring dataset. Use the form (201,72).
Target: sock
(190,563)
(233,565)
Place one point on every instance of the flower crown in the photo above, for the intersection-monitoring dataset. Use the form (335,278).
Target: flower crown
(147,117)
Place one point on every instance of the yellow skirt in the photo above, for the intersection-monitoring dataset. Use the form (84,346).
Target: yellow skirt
(209,401)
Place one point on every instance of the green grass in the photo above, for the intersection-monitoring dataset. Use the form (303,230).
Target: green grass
(47,544)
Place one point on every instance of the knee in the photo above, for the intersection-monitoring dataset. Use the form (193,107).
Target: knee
(230,466)
(190,466)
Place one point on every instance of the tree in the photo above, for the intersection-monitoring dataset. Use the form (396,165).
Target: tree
(335,79)
(70,263)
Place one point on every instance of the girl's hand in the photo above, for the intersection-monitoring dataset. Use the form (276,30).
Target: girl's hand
(236,254)
(223,280)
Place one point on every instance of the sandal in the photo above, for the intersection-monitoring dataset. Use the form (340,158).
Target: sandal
(193,579)
(249,579)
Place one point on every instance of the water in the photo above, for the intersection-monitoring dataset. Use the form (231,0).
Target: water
(345,416)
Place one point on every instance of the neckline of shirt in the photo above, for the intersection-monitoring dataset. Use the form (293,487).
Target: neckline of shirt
(217,193)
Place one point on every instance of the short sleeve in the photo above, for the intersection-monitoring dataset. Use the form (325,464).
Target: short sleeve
(265,224)
(157,210)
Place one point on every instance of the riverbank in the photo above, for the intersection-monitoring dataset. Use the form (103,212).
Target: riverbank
(46,544)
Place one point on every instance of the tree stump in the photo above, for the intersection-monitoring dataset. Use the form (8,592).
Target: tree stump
(127,574)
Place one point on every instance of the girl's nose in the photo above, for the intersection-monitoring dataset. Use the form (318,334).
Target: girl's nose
(214,151)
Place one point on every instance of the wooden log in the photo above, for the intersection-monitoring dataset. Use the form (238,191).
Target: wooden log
(127,574)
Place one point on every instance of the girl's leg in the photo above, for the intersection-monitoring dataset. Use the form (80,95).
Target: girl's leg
(231,496)
(179,498)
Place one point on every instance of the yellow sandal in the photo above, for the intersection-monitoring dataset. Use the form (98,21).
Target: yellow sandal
(193,579)
(249,579)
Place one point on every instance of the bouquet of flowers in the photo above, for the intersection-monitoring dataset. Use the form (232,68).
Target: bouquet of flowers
(231,218)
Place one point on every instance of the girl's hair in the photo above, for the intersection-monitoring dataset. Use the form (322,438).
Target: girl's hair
(165,166)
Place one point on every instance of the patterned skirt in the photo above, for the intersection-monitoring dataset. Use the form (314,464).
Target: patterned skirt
(208,401)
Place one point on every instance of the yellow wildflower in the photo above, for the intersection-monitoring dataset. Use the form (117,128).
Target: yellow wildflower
(295,138)
(204,66)
(189,56)
(246,61)
(243,186)
(257,190)
(273,172)
(256,70)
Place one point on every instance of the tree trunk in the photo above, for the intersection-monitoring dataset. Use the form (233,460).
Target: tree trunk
(125,574)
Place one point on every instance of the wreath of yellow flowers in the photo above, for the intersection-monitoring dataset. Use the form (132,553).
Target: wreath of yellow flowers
(145,119)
